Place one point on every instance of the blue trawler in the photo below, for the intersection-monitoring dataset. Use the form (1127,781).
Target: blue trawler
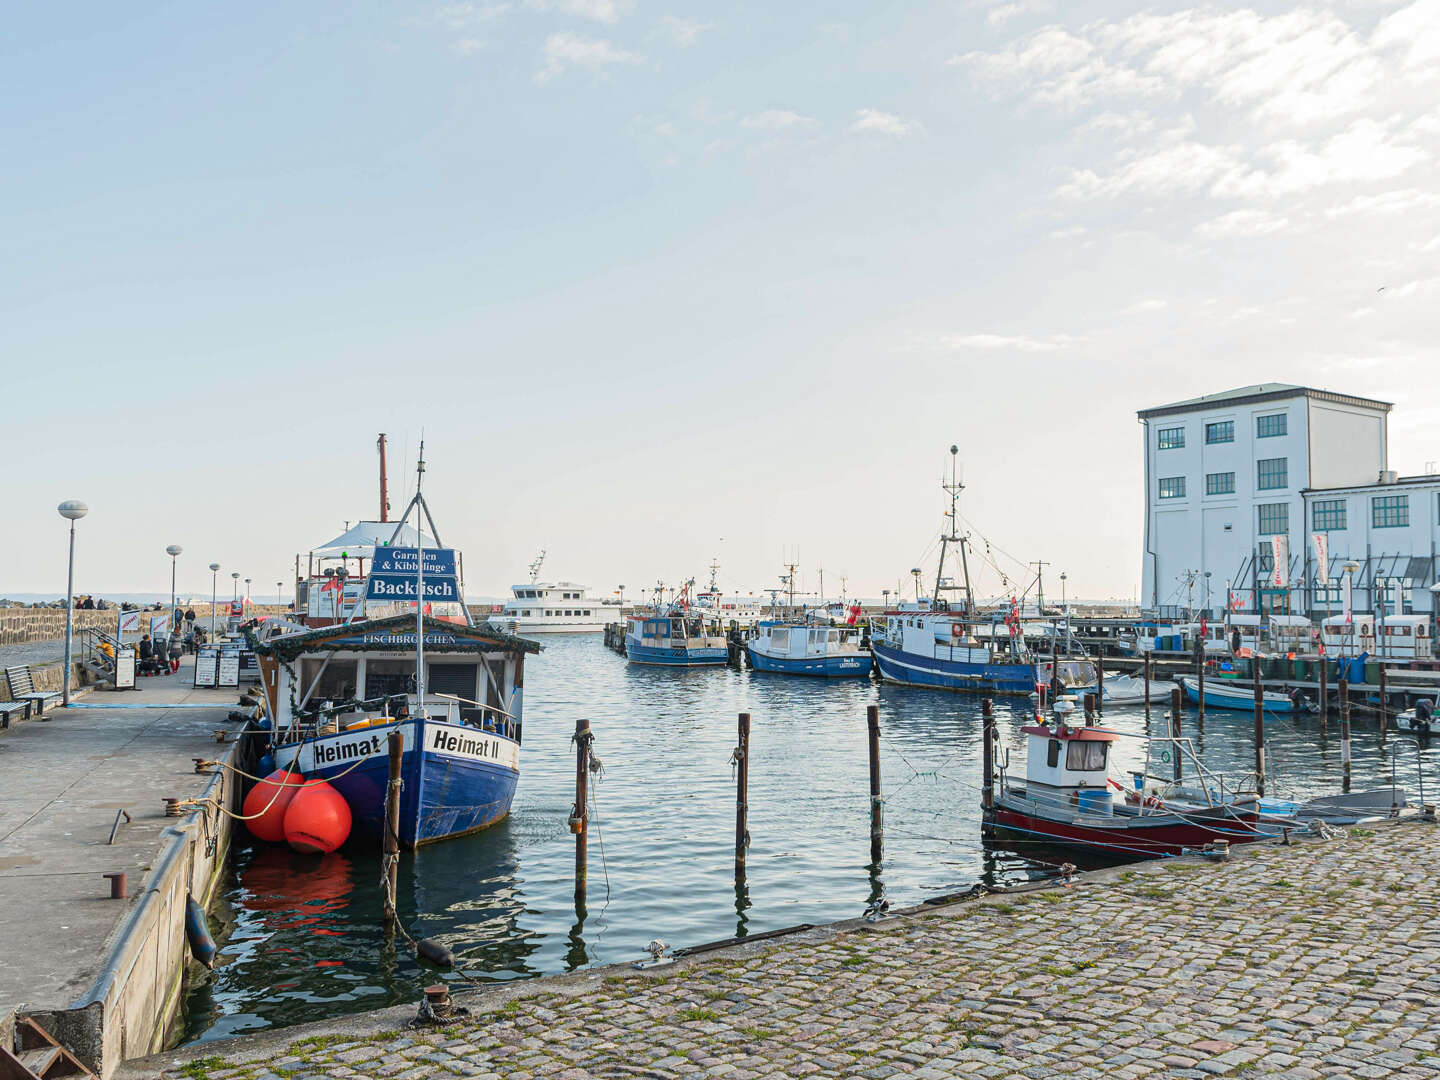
(825,651)
(931,644)
(453,690)
(673,634)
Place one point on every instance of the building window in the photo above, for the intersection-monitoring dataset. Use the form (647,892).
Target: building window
(1172,487)
(1328,515)
(1172,438)
(1221,431)
(1267,427)
(1220,483)
(1270,473)
(1390,511)
(1274,519)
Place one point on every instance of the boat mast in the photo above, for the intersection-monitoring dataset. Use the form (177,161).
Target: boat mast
(419,588)
(535,567)
(953,488)
(384,493)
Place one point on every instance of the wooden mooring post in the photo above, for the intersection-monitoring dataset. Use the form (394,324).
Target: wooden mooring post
(1344,688)
(1259,732)
(1384,712)
(580,818)
(1200,678)
(987,755)
(1176,701)
(877,804)
(1324,697)
(742,793)
(390,842)
(1147,689)
(1099,683)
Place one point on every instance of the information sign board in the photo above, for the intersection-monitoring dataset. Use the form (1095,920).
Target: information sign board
(125,669)
(205,666)
(229,674)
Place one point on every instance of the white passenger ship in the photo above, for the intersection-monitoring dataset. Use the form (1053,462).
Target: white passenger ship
(540,607)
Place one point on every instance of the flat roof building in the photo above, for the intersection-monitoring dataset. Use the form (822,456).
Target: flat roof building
(1236,479)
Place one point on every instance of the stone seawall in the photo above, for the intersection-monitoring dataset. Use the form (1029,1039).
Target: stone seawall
(19,625)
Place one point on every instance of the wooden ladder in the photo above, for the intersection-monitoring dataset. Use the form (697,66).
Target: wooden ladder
(37,1056)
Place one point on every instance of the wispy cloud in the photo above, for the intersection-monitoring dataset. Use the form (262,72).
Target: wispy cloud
(1013,343)
(777,120)
(883,123)
(565,51)
(1145,307)
(604,11)
(1244,223)
(683,32)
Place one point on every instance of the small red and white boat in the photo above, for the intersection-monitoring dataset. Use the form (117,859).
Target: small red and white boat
(1068,799)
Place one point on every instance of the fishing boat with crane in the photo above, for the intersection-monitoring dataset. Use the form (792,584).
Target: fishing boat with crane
(810,645)
(406,657)
(943,645)
(674,633)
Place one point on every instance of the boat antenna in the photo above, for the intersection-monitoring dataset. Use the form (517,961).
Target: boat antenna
(419,587)
(714,569)
(535,566)
(384,492)
(953,489)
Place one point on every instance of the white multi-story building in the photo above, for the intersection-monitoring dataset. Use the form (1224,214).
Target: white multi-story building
(1228,473)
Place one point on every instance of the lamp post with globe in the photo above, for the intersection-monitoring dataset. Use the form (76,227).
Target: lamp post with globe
(173,551)
(214,570)
(72,510)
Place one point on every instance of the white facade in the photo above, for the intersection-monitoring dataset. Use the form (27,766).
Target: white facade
(1226,473)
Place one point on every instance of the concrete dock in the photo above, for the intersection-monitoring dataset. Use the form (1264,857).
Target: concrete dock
(66,947)
(1316,959)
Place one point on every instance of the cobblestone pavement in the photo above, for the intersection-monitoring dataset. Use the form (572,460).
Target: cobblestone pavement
(1317,959)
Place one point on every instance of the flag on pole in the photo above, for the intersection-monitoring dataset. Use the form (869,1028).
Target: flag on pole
(1280,547)
(1321,542)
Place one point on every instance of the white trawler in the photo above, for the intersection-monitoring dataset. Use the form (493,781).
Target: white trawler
(540,607)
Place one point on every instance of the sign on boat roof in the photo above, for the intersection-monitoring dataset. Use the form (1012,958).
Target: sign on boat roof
(362,538)
(395,633)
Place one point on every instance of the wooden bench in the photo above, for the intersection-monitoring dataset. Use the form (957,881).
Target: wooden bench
(10,708)
(22,688)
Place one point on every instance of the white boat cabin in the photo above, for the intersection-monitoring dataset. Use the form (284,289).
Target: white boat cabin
(1067,759)
(1404,637)
(802,642)
(563,607)
(941,636)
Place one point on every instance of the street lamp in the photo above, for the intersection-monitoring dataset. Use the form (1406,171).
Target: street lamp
(1062,592)
(214,569)
(234,585)
(247,590)
(173,551)
(72,510)
(279,594)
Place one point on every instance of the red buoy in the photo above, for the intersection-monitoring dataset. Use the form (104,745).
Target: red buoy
(318,819)
(265,806)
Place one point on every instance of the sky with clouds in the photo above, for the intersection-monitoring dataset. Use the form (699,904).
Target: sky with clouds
(666,283)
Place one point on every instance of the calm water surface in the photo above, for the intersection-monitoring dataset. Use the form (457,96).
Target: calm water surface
(303,940)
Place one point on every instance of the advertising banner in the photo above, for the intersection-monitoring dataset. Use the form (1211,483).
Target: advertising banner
(1321,541)
(1280,545)
(393,574)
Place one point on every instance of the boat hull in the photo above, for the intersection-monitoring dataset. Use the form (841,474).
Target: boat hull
(456,779)
(851,665)
(910,669)
(1224,698)
(1113,836)
(676,657)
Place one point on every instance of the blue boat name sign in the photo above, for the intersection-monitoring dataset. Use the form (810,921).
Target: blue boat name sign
(397,561)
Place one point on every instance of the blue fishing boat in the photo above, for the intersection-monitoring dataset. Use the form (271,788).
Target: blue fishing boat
(931,643)
(1227,694)
(417,665)
(825,651)
(674,634)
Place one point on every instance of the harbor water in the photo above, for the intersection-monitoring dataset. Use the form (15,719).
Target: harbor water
(301,934)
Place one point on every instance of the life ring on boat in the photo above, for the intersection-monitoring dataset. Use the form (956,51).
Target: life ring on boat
(1154,801)
(954,629)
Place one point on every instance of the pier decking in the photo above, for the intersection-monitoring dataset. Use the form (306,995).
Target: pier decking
(63,940)
(1315,959)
